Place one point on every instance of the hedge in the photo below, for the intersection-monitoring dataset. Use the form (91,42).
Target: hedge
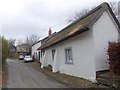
(4,45)
(114,63)
(114,56)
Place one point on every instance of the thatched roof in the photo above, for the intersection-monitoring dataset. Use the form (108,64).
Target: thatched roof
(81,25)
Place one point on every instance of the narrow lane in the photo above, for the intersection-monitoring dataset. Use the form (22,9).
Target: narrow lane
(23,76)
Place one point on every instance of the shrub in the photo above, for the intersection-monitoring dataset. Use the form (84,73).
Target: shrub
(114,62)
(114,56)
(4,45)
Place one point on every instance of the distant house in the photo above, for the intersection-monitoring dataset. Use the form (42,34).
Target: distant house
(80,48)
(22,49)
(37,54)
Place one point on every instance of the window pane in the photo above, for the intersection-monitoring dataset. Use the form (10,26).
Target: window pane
(53,54)
(68,54)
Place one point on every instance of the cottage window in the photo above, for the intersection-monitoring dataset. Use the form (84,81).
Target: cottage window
(41,53)
(53,54)
(68,56)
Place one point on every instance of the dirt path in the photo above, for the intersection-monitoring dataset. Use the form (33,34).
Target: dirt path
(23,76)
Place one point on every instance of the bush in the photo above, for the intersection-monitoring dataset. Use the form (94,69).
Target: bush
(4,45)
(114,56)
(114,61)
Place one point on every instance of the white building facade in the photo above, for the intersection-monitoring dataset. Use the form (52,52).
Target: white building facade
(84,54)
(36,53)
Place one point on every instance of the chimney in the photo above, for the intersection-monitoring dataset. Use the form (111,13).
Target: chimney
(49,32)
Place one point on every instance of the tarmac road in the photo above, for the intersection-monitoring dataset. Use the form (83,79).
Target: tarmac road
(23,76)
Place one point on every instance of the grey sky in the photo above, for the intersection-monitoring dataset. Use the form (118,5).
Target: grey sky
(20,18)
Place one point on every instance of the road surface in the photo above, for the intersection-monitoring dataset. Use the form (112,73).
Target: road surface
(22,76)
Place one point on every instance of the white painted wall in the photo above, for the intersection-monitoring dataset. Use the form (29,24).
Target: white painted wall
(88,49)
(35,47)
(83,57)
(104,30)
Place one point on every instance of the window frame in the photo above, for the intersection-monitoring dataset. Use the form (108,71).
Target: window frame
(53,54)
(66,58)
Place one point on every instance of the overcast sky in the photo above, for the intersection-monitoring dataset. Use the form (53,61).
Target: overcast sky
(20,18)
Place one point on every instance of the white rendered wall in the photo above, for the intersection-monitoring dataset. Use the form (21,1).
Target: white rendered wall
(83,57)
(104,30)
(35,47)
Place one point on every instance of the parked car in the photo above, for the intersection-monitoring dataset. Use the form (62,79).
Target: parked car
(28,58)
(21,57)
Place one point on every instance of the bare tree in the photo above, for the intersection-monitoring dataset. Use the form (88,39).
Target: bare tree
(114,6)
(119,11)
(30,40)
(33,38)
(20,42)
(11,42)
(11,47)
(77,15)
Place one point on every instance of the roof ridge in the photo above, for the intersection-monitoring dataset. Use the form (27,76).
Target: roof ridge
(103,5)
(86,20)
